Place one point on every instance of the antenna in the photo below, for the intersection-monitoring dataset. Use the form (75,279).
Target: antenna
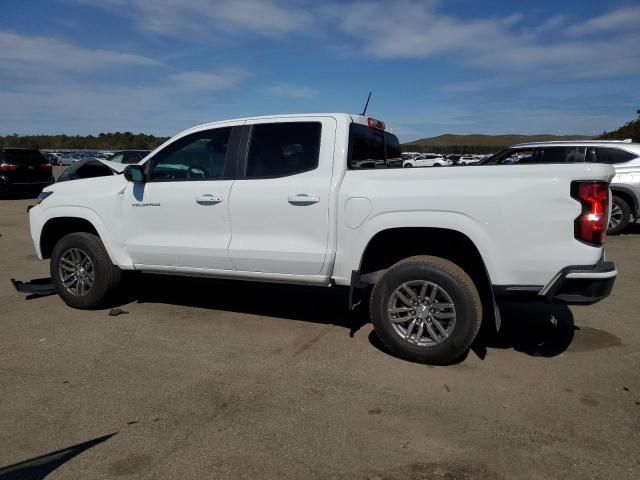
(366,104)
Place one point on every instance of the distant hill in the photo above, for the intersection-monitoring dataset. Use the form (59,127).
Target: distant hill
(479,143)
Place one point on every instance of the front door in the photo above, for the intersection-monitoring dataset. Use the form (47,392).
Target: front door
(280,205)
(180,216)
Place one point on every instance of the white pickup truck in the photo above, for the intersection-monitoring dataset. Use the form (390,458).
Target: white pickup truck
(322,199)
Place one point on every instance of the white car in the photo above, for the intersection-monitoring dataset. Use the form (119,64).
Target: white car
(304,199)
(427,160)
(468,160)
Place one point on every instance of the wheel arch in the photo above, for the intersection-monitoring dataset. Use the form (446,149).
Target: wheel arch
(62,221)
(381,251)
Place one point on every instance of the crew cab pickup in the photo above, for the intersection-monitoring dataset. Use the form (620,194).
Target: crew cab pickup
(322,199)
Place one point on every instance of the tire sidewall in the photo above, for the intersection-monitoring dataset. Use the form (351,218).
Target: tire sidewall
(100,285)
(466,313)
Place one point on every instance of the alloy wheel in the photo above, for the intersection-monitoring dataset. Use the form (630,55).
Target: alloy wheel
(421,313)
(76,271)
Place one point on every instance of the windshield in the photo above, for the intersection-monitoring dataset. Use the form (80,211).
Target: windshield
(372,148)
(23,157)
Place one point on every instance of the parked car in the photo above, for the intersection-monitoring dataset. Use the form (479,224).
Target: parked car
(68,159)
(305,209)
(129,156)
(623,155)
(468,160)
(53,157)
(24,170)
(427,160)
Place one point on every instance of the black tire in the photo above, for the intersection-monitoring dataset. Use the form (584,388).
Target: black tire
(626,215)
(455,283)
(106,275)
(407,165)
(437,165)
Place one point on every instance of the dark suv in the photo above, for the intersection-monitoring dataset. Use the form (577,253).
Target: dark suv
(23,170)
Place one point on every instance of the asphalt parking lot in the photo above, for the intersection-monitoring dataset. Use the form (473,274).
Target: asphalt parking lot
(206,379)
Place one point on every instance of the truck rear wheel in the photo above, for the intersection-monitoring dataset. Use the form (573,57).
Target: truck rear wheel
(82,271)
(426,309)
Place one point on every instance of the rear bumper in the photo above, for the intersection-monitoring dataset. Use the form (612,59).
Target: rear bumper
(581,285)
(574,285)
(9,185)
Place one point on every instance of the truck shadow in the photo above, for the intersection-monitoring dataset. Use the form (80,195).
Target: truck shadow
(536,329)
(632,229)
(303,303)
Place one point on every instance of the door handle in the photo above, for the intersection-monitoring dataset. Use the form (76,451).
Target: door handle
(208,199)
(303,199)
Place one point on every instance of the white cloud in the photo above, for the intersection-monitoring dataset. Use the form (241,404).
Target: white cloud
(207,80)
(612,22)
(414,30)
(18,52)
(292,91)
(210,17)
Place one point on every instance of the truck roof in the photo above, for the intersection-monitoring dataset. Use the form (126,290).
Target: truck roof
(356,118)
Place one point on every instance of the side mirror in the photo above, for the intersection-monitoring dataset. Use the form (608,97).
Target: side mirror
(135,174)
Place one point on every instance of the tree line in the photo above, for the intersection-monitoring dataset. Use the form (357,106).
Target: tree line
(104,141)
(628,130)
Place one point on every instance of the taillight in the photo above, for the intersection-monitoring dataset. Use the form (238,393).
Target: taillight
(46,167)
(6,167)
(591,226)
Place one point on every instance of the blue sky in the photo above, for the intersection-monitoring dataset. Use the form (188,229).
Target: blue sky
(160,66)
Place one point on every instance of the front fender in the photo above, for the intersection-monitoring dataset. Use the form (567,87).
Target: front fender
(39,217)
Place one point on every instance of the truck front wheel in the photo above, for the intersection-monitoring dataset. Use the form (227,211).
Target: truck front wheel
(82,271)
(426,309)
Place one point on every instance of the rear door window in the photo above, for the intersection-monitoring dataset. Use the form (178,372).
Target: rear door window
(283,149)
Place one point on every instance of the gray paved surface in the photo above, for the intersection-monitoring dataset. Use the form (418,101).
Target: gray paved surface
(203,379)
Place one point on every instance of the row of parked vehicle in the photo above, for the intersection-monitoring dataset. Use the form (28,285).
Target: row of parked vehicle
(416,159)
(69,158)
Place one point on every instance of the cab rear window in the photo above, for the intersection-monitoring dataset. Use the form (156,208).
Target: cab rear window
(372,148)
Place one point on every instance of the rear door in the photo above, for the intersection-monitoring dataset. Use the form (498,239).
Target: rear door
(279,204)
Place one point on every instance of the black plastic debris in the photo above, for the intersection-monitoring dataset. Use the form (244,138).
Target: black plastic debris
(114,312)
(38,287)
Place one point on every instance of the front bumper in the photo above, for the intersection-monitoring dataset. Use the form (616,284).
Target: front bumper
(581,285)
